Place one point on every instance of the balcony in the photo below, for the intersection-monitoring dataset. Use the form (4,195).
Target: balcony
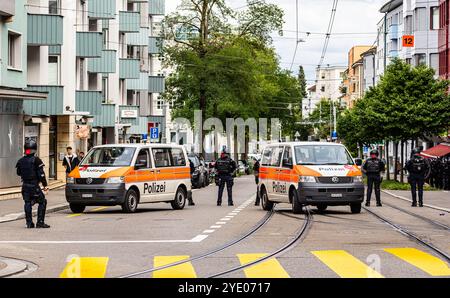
(140,128)
(54,105)
(394,32)
(156,84)
(155,45)
(393,53)
(106,117)
(129,21)
(156,7)
(138,39)
(88,101)
(105,64)
(129,68)
(89,44)
(129,115)
(138,84)
(102,9)
(45,30)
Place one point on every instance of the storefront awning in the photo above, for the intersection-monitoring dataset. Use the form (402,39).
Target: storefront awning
(11,93)
(437,151)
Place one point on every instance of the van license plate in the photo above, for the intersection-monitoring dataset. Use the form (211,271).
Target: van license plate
(336,195)
(87,195)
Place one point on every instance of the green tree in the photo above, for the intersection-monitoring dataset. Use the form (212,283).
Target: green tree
(322,117)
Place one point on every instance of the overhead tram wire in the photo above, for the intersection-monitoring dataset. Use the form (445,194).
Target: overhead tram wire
(329,30)
(297,40)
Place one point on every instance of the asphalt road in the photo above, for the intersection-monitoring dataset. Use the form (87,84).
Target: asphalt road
(104,242)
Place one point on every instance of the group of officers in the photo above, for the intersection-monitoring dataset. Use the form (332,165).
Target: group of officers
(31,169)
(440,173)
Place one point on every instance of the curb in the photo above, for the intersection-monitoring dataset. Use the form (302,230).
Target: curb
(405,199)
(12,267)
(17,216)
(18,194)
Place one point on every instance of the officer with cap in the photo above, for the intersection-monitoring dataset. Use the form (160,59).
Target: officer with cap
(225,168)
(372,168)
(31,169)
(418,168)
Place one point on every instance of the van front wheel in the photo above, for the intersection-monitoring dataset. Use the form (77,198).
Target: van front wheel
(297,208)
(266,204)
(131,202)
(75,208)
(355,208)
(180,199)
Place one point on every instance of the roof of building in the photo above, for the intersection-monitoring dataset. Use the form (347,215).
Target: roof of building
(371,51)
(390,5)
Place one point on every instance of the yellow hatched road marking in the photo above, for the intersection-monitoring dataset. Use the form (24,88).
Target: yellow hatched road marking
(267,269)
(422,260)
(74,215)
(345,265)
(84,267)
(98,209)
(185,270)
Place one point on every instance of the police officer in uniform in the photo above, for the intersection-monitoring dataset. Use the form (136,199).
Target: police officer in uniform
(418,169)
(372,168)
(225,168)
(256,167)
(31,169)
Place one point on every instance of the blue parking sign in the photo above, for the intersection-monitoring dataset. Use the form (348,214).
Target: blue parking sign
(154,133)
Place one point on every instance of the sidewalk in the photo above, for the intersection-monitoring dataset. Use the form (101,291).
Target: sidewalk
(439,199)
(13,209)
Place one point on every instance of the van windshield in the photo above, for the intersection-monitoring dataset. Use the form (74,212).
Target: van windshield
(322,155)
(109,157)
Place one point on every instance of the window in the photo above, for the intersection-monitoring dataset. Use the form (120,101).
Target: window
(408,25)
(105,38)
(322,88)
(53,7)
(322,155)
(162,157)
(276,157)
(178,159)
(266,157)
(434,18)
(144,158)
(287,157)
(400,18)
(109,157)
(434,62)
(53,70)
(420,19)
(420,59)
(159,103)
(105,89)
(14,50)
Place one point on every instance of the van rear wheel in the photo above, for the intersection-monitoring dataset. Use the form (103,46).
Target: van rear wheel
(76,208)
(131,202)
(265,203)
(180,199)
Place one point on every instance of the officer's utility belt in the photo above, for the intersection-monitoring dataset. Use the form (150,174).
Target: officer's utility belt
(31,183)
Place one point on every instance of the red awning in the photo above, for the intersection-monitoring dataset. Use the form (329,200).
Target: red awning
(437,151)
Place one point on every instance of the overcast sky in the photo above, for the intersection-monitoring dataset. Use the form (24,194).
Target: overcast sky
(353,16)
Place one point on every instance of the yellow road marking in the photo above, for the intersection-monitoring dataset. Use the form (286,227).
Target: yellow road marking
(98,209)
(267,269)
(74,215)
(345,265)
(422,260)
(185,270)
(83,267)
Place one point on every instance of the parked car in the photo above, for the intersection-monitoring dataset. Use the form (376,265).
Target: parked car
(197,171)
(205,169)
(244,167)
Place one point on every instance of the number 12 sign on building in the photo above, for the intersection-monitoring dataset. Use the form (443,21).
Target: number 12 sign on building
(408,41)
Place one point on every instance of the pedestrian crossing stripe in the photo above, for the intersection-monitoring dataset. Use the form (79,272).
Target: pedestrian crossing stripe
(185,270)
(422,260)
(270,268)
(345,265)
(85,267)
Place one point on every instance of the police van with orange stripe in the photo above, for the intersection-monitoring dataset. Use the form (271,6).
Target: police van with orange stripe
(310,173)
(128,175)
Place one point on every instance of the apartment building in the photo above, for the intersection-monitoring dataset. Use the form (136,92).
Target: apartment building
(444,39)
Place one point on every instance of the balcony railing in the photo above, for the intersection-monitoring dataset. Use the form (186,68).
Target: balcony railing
(106,117)
(138,84)
(394,31)
(105,64)
(138,39)
(156,7)
(102,9)
(129,68)
(155,45)
(88,101)
(54,105)
(156,84)
(44,29)
(89,44)
(129,21)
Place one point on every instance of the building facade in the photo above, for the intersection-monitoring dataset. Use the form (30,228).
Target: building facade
(444,39)
(369,69)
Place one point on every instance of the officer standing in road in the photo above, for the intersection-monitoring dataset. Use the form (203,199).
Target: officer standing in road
(256,173)
(31,169)
(372,168)
(418,168)
(225,168)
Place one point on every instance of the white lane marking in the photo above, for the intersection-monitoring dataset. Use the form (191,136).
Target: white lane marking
(225,219)
(229,216)
(215,227)
(199,238)
(195,239)
(220,223)
(405,199)
(208,231)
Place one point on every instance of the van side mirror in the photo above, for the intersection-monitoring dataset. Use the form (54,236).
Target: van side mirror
(287,163)
(358,162)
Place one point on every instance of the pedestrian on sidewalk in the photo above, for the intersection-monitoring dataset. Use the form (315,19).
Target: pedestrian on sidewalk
(373,168)
(256,167)
(225,167)
(70,161)
(31,169)
(418,168)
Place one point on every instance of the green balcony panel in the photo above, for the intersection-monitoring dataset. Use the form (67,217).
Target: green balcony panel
(156,7)
(139,84)
(156,84)
(140,128)
(106,117)
(54,50)
(101,9)
(128,120)
(138,39)
(155,45)
(44,29)
(129,21)
(88,101)
(105,64)
(89,44)
(54,105)
(129,68)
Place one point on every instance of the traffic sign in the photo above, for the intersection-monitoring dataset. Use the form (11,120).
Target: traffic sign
(154,133)
(334,135)
(408,41)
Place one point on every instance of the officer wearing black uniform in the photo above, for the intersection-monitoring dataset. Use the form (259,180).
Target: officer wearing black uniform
(31,169)
(225,168)
(256,167)
(373,167)
(418,168)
